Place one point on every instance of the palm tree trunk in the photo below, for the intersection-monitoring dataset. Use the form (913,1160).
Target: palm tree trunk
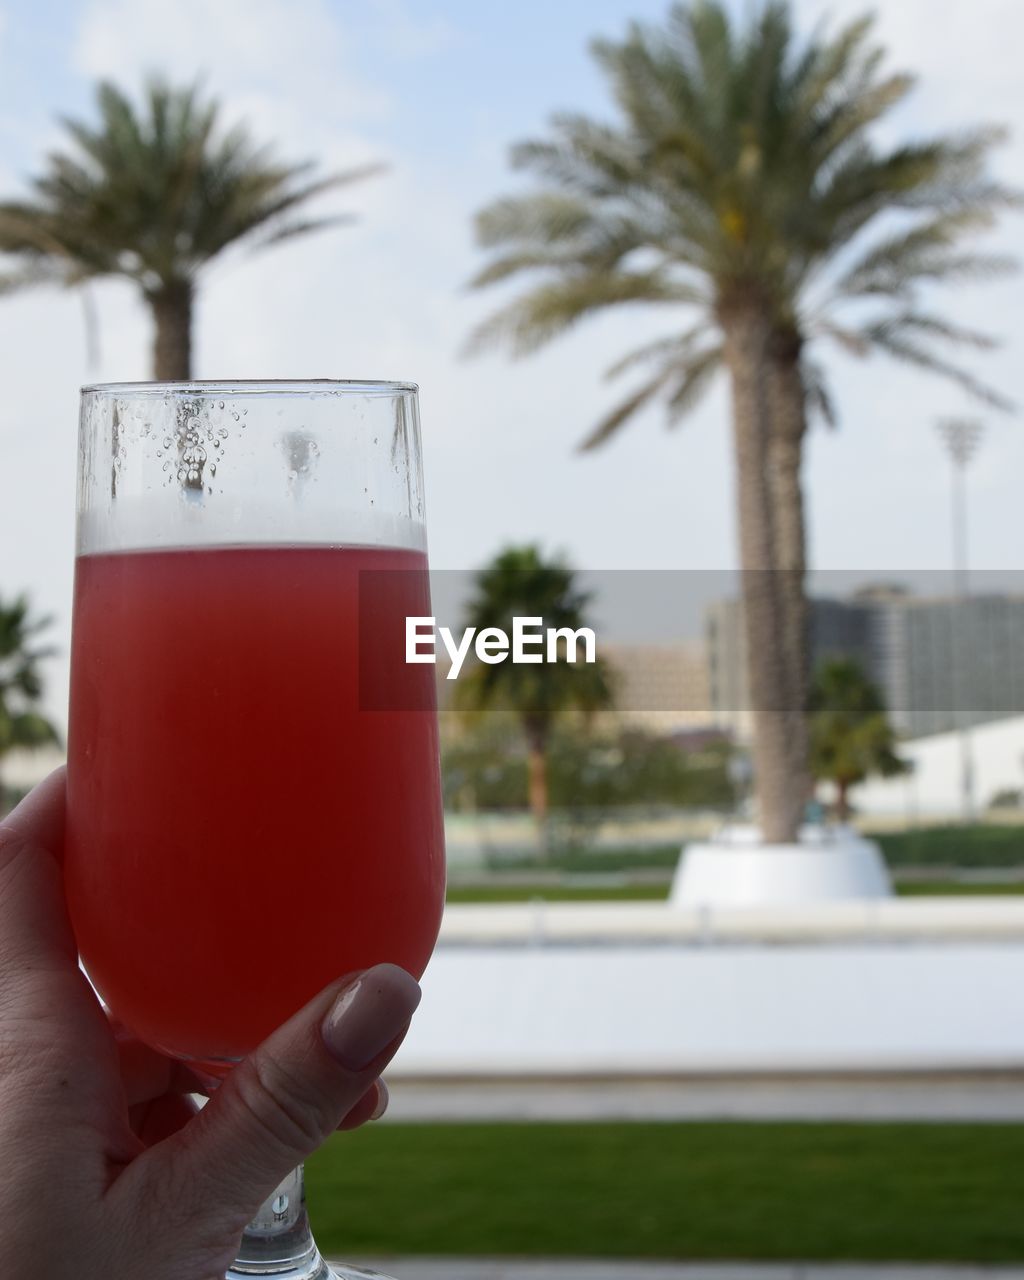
(537,784)
(842,800)
(780,790)
(788,429)
(171,306)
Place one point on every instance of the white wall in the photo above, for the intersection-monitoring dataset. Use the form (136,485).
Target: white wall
(647,1010)
(933,790)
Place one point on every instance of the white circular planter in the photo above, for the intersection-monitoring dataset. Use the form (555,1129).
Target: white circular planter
(736,870)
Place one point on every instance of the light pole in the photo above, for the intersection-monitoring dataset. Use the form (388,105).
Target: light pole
(962,436)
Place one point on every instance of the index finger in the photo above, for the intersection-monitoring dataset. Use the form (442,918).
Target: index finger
(39,818)
(34,928)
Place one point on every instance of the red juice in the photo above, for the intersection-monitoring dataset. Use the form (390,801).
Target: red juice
(242,827)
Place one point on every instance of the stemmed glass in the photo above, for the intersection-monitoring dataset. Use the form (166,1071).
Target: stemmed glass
(253,778)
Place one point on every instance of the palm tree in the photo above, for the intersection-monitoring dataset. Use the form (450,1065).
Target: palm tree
(520,582)
(21,687)
(743,190)
(153,195)
(851,737)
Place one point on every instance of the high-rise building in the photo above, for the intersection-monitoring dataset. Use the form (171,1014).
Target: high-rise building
(940,663)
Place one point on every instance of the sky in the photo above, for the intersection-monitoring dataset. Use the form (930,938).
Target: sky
(438,90)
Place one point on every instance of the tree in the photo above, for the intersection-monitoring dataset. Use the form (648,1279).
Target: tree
(520,582)
(21,686)
(851,737)
(153,194)
(743,189)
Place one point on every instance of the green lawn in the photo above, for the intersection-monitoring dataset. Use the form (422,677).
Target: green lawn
(953,888)
(758,1191)
(558,893)
(977,846)
(983,845)
(602,861)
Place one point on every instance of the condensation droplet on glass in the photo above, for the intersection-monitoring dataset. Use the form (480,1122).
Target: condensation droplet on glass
(223,433)
(166,467)
(213,469)
(220,404)
(159,453)
(167,442)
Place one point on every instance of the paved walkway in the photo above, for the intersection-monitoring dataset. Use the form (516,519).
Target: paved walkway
(541,1269)
(985,1098)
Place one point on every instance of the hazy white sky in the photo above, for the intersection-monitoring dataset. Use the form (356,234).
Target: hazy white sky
(439,88)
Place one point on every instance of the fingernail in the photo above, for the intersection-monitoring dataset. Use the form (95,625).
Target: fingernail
(383,1098)
(367,1016)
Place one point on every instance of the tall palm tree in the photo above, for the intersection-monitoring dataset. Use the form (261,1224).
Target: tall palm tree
(851,736)
(520,582)
(153,194)
(744,191)
(21,686)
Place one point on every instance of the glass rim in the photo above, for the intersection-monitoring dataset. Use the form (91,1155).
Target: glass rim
(254,387)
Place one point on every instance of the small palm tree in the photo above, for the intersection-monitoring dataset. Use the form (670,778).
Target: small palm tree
(851,737)
(21,687)
(520,582)
(153,195)
(744,192)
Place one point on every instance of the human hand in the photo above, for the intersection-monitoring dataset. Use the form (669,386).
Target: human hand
(107,1170)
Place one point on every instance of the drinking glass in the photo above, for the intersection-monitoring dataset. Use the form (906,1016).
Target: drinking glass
(253,778)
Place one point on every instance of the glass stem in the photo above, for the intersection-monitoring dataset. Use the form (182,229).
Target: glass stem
(278,1241)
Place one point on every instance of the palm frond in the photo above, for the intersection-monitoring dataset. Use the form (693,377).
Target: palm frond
(817,396)
(551,309)
(695,382)
(927,251)
(906,350)
(31,275)
(675,345)
(746,162)
(920,325)
(852,341)
(622,412)
(544,217)
(303,227)
(153,190)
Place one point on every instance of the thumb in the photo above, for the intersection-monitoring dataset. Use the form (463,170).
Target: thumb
(283,1100)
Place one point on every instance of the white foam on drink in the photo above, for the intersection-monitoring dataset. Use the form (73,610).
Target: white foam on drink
(135,524)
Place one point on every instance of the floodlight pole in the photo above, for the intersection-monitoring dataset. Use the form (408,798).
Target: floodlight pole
(962,436)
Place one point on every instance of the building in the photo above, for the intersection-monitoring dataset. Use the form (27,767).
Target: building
(661,688)
(941,663)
